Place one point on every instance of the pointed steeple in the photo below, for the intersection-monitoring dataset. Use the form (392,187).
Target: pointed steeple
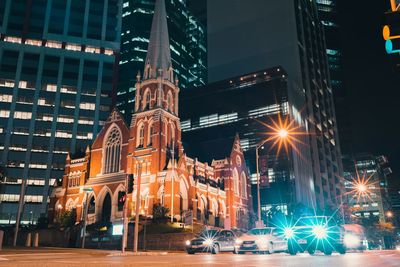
(158,60)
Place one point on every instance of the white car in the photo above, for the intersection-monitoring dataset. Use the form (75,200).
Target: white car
(262,240)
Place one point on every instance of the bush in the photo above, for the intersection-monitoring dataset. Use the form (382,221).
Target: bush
(43,222)
(67,218)
(160,212)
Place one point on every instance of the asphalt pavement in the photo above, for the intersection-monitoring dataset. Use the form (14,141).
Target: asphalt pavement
(78,257)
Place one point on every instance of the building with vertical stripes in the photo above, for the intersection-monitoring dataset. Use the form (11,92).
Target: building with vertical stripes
(57,69)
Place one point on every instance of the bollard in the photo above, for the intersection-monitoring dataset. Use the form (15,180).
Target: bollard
(1,239)
(28,240)
(36,240)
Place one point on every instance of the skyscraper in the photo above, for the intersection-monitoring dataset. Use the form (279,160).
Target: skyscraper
(57,63)
(261,34)
(188,47)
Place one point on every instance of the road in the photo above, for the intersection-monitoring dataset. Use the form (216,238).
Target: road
(77,257)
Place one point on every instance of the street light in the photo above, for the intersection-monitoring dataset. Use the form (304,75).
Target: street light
(389,214)
(279,135)
(85,213)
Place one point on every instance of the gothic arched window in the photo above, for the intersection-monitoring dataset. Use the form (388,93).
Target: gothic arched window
(146,99)
(140,135)
(244,184)
(112,151)
(150,133)
(235,182)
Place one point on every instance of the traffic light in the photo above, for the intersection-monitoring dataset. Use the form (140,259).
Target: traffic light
(121,200)
(131,182)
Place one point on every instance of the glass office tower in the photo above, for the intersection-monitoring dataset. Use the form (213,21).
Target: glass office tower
(288,33)
(57,65)
(187,44)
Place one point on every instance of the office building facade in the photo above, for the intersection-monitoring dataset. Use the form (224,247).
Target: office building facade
(57,63)
(188,47)
(287,33)
(243,105)
(367,187)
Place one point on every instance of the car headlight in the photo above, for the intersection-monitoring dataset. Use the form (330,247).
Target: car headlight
(351,240)
(208,242)
(238,241)
(319,231)
(289,233)
(187,242)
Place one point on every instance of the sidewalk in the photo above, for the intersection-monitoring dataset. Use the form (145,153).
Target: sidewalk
(110,253)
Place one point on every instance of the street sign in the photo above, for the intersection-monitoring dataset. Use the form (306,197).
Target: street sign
(187,217)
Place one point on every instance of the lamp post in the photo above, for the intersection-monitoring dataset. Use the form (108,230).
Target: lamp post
(85,213)
(135,237)
(281,134)
(172,181)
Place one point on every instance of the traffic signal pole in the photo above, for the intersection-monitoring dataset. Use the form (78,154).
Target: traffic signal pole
(136,238)
(125,221)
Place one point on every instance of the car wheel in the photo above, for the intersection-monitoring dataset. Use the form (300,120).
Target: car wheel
(292,250)
(328,251)
(311,251)
(342,250)
(215,249)
(191,252)
(241,252)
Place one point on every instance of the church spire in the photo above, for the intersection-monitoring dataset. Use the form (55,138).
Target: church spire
(158,60)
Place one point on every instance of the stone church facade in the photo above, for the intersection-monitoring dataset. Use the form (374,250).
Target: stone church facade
(151,150)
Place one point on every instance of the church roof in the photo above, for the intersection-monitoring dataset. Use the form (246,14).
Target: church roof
(158,52)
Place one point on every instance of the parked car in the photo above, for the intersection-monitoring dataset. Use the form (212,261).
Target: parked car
(262,240)
(213,241)
(354,237)
(315,233)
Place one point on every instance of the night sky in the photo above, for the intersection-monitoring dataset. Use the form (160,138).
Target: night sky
(371,80)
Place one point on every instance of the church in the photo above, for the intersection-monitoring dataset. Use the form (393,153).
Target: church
(150,148)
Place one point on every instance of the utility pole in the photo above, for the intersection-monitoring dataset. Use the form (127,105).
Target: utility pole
(85,213)
(172,181)
(125,228)
(20,210)
(135,237)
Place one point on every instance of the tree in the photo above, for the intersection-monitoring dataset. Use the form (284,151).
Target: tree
(160,212)
(67,218)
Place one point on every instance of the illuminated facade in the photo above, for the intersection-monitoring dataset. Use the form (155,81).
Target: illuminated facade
(187,43)
(151,148)
(56,79)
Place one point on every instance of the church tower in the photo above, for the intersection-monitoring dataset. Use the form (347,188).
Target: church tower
(155,131)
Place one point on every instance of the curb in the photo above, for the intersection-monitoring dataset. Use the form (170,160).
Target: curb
(118,254)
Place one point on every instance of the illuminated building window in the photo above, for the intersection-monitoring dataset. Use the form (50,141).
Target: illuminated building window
(53,44)
(68,90)
(86,121)
(108,52)
(73,47)
(26,85)
(7,83)
(140,135)
(87,106)
(6,98)
(65,119)
(91,49)
(22,115)
(112,150)
(51,88)
(13,40)
(33,42)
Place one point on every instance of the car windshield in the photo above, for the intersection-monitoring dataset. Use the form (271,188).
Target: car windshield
(310,221)
(208,233)
(261,231)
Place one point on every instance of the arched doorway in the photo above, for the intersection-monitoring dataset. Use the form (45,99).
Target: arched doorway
(106,209)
